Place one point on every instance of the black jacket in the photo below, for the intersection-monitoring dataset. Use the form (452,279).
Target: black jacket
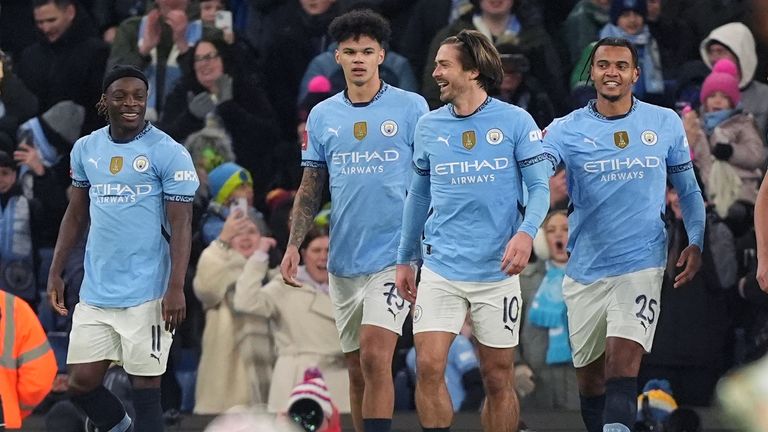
(71,68)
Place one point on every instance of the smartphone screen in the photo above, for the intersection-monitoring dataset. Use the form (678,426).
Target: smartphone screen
(224,20)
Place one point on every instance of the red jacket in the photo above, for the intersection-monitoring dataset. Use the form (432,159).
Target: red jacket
(27,363)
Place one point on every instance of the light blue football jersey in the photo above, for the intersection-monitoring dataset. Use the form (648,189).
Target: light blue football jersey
(476,186)
(616,170)
(367,150)
(127,259)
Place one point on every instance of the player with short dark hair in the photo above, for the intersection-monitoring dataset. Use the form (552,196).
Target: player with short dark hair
(619,154)
(132,194)
(362,140)
(471,158)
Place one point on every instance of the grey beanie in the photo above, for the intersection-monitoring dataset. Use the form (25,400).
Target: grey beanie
(66,118)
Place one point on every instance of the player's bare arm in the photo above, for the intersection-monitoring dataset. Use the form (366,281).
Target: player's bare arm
(304,209)
(761,232)
(174,304)
(71,231)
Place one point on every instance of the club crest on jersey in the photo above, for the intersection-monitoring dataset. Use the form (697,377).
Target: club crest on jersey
(360,130)
(389,128)
(141,163)
(115,164)
(468,139)
(621,139)
(649,137)
(494,136)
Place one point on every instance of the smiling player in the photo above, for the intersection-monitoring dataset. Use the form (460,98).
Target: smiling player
(132,193)
(471,158)
(619,153)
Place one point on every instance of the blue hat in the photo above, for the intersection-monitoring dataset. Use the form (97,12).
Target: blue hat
(620,6)
(656,402)
(225,178)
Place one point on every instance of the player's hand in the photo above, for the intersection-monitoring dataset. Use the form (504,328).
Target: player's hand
(174,308)
(691,258)
(405,282)
(517,253)
(290,266)
(151,37)
(762,275)
(56,294)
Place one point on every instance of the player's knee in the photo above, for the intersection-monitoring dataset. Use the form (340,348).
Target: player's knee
(355,372)
(430,370)
(80,384)
(498,379)
(375,359)
(143,382)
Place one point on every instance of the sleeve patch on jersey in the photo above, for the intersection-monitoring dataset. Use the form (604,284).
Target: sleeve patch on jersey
(535,135)
(179,198)
(534,160)
(679,168)
(313,164)
(83,184)
(420,171)
(304,140)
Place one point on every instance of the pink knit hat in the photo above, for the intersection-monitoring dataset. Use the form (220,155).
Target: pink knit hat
(723,82)
(727,66)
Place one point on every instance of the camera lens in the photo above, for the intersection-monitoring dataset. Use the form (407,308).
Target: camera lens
(306,413)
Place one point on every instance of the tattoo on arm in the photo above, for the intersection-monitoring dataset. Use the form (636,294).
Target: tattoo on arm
(307,203)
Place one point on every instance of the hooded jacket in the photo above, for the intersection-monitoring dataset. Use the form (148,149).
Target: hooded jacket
(739,39)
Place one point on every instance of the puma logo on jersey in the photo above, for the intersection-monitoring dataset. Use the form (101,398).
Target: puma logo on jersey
(445,140)
(590,141)
(394,314)
(154,356)
(509,328)
(335,131)
(95,162)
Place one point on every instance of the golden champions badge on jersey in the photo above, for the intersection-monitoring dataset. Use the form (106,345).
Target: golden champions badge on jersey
(468,139)
(621,139)
(115,164)
(141,163)
(360,130)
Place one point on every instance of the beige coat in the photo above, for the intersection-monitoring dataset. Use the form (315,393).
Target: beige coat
(305,336)
(234,370)
(748,156)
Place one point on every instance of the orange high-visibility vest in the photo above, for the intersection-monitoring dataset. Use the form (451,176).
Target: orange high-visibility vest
(27,363)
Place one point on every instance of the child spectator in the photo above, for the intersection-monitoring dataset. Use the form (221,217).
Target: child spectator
(233,370)
(628,22)
(17,224)
(227,183)
(544,336)
(727,147)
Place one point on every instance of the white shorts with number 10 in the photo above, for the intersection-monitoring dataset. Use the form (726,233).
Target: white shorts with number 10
(495,308)
(625,306)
